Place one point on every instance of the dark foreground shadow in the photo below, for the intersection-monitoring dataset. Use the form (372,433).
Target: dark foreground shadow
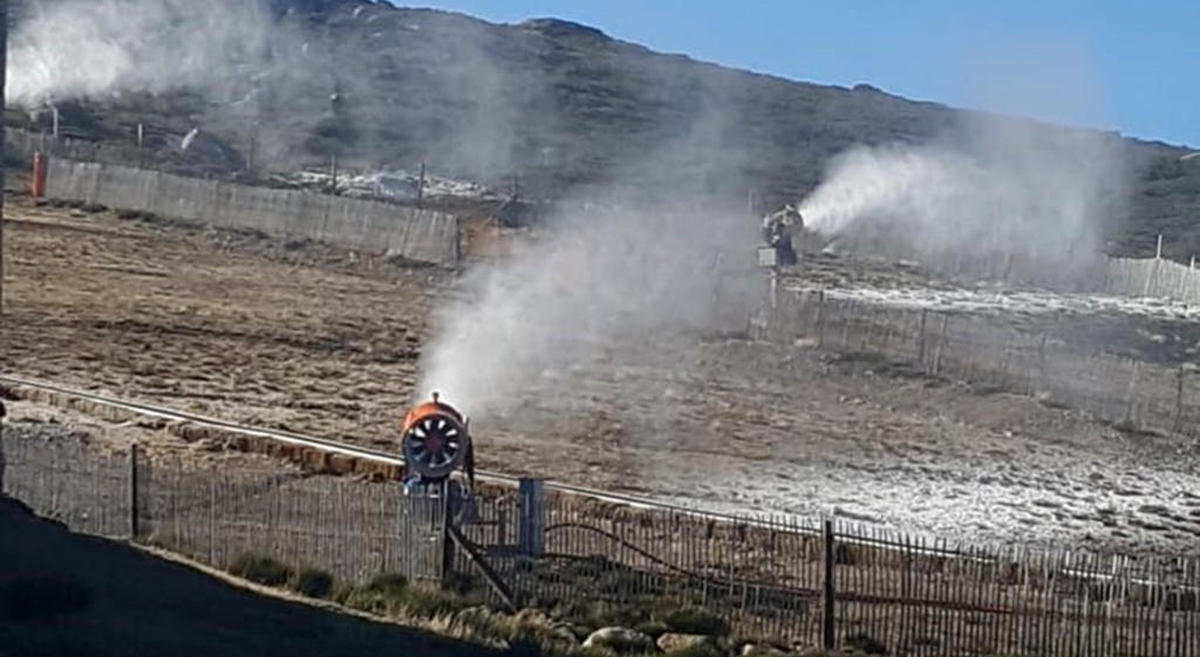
(68,594)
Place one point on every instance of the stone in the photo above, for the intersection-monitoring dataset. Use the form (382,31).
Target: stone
(620,640)
(761,650)
(672,641)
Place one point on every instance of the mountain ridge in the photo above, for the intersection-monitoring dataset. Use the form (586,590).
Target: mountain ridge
(558,109)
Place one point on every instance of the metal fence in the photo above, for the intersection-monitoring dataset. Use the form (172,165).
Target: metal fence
(216,514)
(804,581)
(1040,357)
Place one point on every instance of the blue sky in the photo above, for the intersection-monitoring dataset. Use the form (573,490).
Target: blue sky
(1127,66)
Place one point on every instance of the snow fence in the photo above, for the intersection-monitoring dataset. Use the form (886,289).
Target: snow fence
(410,233)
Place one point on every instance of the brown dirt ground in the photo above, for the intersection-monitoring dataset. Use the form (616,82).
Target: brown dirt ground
(308,338)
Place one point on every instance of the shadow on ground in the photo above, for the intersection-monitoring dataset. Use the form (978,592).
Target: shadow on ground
(67,594)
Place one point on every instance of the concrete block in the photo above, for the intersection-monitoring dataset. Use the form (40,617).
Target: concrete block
(339,218)
(126,188)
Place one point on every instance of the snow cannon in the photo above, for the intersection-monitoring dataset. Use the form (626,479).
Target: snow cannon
(436,443)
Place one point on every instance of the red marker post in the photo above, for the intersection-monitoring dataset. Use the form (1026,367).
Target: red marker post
(39,176)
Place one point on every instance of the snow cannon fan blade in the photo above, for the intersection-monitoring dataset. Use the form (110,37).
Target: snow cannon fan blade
(435,440)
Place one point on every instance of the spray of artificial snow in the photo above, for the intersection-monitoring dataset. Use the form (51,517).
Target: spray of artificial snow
(1010,189)
(94,48)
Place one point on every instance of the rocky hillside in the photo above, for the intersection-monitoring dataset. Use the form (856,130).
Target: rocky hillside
(555,108)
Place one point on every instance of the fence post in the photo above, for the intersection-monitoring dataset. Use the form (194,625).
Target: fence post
(774,295)
(828,624)
(212,516)
(1152,280)
(820,317)
(921,344)
(447,541)
(3,412)
(133,492)
(941,344)
(1131,418)
(531,529)
(1178,399)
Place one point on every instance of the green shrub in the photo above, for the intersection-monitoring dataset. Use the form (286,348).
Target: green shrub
(698,650)
(693,620)
(136,215)
(313,583)
(392,594)
(341,594)
(652,628)
(261,569)
(387,584)
(595,614)
(430,602)
(461,583)
(384,594)
(867,644)
(534,629)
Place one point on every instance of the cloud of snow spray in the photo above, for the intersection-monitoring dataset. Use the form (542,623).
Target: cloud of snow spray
(659,254)
(992,196)
(596,283)
(1008,190)
(65,49)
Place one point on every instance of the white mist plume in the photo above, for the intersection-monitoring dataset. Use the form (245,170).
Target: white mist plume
(607,279)
(597,282)
(992,189)
(66,49)
(1008,189)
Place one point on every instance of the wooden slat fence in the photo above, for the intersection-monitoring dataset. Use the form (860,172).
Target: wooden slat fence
(1019,354)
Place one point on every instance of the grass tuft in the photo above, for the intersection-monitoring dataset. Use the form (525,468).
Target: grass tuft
(261,570)
(313,583)
(693,620)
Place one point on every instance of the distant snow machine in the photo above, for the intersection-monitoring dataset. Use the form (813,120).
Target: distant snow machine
(778,230)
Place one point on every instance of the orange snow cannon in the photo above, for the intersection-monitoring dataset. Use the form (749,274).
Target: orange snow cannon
(436,441)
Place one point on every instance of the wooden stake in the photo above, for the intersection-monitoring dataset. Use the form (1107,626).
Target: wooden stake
(1178,398)
(133,492)
(921,341)
(828,625)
